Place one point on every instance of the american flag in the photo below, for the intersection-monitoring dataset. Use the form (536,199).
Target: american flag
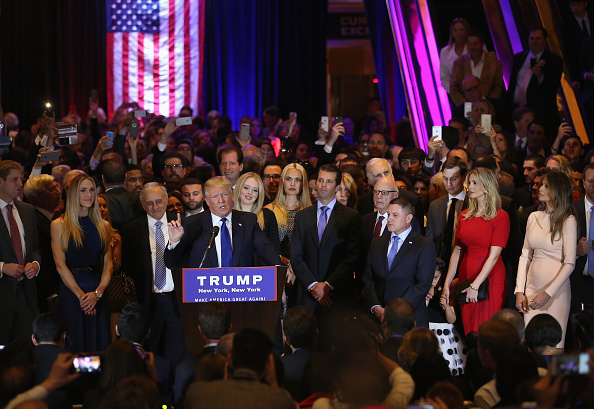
(154,54)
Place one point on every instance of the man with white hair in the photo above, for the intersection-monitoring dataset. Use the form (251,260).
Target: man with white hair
(376,169)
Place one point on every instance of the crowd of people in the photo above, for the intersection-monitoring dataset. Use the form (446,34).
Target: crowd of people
(453,276)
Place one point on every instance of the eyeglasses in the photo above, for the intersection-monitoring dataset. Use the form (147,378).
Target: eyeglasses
(169,167)
(273,177)
(383,192)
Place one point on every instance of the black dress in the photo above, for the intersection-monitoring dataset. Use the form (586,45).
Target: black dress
(87,333)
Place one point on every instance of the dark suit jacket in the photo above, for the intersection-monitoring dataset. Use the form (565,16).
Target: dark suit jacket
(184,373)
(294,365)
(248,239)
(8,284)
(571,37)
(44,356)
(136,256)
(48,278)
(540,97)
(123,206)
(437,220)
(409,277)
(586,64)
(333,259)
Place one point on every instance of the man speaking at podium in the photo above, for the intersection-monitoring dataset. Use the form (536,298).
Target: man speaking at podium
(220,236)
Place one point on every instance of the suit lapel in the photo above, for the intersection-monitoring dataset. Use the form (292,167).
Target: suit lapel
(312,216)
(238,237)
(212,256)
(408,243)
(144,236)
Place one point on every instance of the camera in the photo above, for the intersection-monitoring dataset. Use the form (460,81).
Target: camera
(87,364)
(67,133)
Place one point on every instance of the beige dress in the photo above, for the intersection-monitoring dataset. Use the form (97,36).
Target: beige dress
(546,266)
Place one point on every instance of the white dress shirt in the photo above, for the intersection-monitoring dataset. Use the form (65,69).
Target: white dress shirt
(153,243)
(216,221)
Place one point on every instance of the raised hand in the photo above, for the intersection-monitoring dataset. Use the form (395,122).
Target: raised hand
(176,230)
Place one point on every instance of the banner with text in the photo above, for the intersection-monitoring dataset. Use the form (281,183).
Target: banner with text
(230,284)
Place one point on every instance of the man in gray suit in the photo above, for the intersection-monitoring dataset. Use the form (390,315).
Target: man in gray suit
(252,363)
(19,257)
(443,213)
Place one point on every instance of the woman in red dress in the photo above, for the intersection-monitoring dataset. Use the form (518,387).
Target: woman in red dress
(483,230)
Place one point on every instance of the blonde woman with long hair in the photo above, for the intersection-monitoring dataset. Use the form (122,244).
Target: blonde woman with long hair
(549,252)
(483,230)
(81,245)
(249,197)
(292,196)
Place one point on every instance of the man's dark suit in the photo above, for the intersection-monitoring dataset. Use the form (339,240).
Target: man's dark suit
(123,206)
(247,238)
(184,373)
(44,356)
(541,97)
(582,287)
(294,365)
(437,220)
(587,89)
(138,263)
(571,37)
(333,259)
(48,278)
(409,277)
(18,299)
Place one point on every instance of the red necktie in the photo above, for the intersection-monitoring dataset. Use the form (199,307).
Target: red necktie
(15,235)
(378,227)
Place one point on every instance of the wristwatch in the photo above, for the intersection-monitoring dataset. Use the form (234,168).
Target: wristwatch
(98,294)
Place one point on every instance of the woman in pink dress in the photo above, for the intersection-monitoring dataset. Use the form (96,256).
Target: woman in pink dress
(548,256)
(482,233)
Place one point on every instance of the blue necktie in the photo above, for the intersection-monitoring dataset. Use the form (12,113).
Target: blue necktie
(226,249)
(393,251)
(590,238)
(322,222)
(160,274)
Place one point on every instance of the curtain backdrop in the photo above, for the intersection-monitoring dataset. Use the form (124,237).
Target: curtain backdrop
(257,53)
(385,57)
(266,52)
(51,50)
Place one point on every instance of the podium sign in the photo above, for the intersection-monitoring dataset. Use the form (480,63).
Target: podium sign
(229,284)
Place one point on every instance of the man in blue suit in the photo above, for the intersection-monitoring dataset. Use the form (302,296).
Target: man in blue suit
(400,265)
(238,239)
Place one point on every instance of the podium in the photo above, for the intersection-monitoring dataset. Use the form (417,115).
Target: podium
(235,287)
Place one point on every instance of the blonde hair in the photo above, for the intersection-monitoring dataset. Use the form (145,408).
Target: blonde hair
(279,206)
(564,165)
(215,182)
(71,228)
(351,186)
(486,179)
(257,205)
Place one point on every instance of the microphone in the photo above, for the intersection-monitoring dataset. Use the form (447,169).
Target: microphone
(213,234)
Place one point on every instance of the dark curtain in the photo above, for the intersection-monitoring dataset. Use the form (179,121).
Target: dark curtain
(385,57)
(266,52)
(51,50)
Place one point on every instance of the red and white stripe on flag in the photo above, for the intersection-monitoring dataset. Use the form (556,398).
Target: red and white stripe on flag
(159,70)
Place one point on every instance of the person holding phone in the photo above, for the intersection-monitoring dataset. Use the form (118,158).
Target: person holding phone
(549,253)
(482,233)
(81,245)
